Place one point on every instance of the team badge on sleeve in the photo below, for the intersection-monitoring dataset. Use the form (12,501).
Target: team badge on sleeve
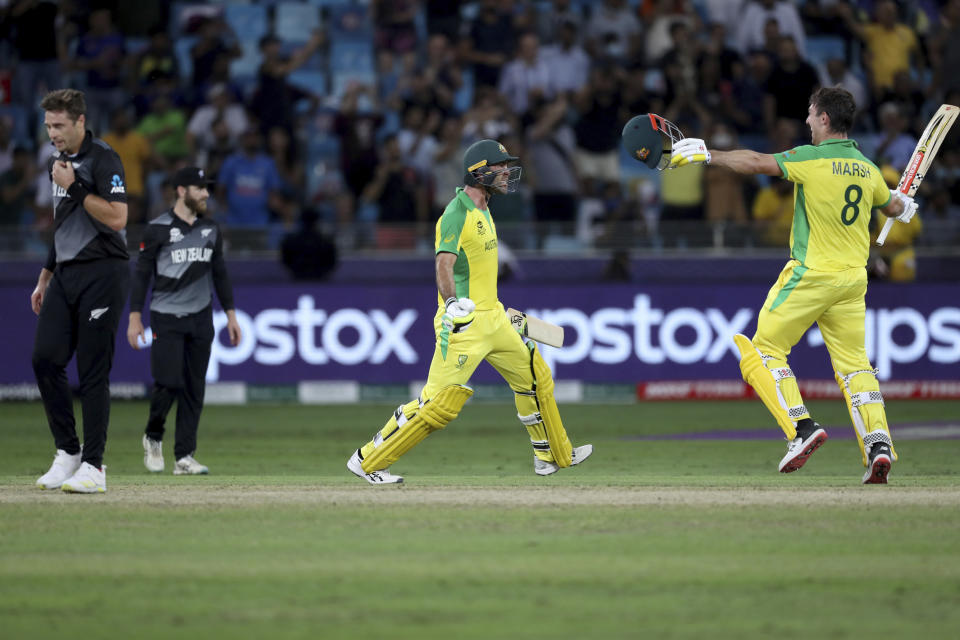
(116,184)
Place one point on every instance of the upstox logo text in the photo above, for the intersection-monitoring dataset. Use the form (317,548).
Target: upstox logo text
(645,333)
(346,336)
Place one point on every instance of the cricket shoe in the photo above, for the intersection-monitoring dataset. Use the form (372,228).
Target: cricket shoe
(187,466)
(881,457)
(544,468)
(801,448)
(383,476)
(87,479)
(64,466)
(152,454)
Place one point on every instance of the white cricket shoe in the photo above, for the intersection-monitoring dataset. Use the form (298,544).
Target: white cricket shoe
(187,466)
(383,476)
(87,479)
(64,465)
(544,468)
(801,448)
(152,454)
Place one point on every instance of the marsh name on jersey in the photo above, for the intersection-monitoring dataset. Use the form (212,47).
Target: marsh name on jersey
(847,168)
(190,254)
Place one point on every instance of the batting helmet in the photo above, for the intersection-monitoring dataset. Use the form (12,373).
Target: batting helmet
(642,137)
(477,165)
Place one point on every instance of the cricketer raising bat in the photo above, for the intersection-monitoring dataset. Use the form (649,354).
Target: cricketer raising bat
(535,328)
(923,155)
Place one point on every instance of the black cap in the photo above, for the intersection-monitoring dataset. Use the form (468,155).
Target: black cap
(191,177)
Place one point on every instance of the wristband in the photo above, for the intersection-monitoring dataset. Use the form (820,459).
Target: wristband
(446,303)
(77,191)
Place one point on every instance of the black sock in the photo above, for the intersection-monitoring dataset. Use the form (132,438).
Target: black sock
(805,427)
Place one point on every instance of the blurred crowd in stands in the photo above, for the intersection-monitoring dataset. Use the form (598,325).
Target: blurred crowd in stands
(351,117)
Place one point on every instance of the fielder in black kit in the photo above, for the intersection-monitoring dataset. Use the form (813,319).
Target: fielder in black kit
(183,252)
(81,292)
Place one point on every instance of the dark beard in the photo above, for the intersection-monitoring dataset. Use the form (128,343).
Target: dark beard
(196,206)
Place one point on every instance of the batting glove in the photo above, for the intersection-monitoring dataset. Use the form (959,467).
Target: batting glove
(909,206)
(689,151)
(459,314)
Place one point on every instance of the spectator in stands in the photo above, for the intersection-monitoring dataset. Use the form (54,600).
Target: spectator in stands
(660,19)
(679,62)
(489,114)
(158,58)
(896,260)
(135,154)
(249,184)
(395,25)
(567,62)
(100,53)
(944,47)
(724,201)
(790,85)
(489,43)
(836,73)
(38,52)
(747,107)
(753,21)
(216,39)
(219,106)
(597,130)
(441,71)
(716,48)
(446,171)
(166,129)
(889,44)
(281,148)
(415,138)
(725,12)
(399,194)
(613,32)
(527,77)
(892,145)
(443,16)
(43,200)
(214,152)
(552,21)
(357,133)
(773,213)
(16,195)
(551,165)
(908,98)
(275,98)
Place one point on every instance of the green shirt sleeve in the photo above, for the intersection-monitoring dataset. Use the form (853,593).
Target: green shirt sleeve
(881,194)
(792,161)
(451,225)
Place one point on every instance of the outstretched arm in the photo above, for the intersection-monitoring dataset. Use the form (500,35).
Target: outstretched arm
(746,161)
(694,151)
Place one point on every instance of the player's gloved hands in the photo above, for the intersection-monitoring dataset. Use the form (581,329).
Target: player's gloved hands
(459,314)
(689,151)
(909,206)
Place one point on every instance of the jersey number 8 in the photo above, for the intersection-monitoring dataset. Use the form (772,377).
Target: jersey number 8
(851,204)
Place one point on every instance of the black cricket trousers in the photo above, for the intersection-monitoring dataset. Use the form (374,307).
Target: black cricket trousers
(80,313)
(178,360)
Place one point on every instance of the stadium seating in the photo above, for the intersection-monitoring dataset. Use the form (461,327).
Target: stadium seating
(295,21)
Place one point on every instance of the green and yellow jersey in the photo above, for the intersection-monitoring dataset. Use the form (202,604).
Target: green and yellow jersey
(836,189)
(469,232)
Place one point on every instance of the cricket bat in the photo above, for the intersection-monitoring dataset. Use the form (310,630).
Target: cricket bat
(923,154)
(535,328)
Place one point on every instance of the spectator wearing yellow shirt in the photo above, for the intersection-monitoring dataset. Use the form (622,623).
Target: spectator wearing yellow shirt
(134,151)
(889,43)
(773,212)
(896,260)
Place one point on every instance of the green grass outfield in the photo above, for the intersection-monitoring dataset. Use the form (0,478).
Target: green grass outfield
(648,539)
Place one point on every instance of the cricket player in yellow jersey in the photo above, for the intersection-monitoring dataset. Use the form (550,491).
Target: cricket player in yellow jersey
(471,326)
(835,189)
